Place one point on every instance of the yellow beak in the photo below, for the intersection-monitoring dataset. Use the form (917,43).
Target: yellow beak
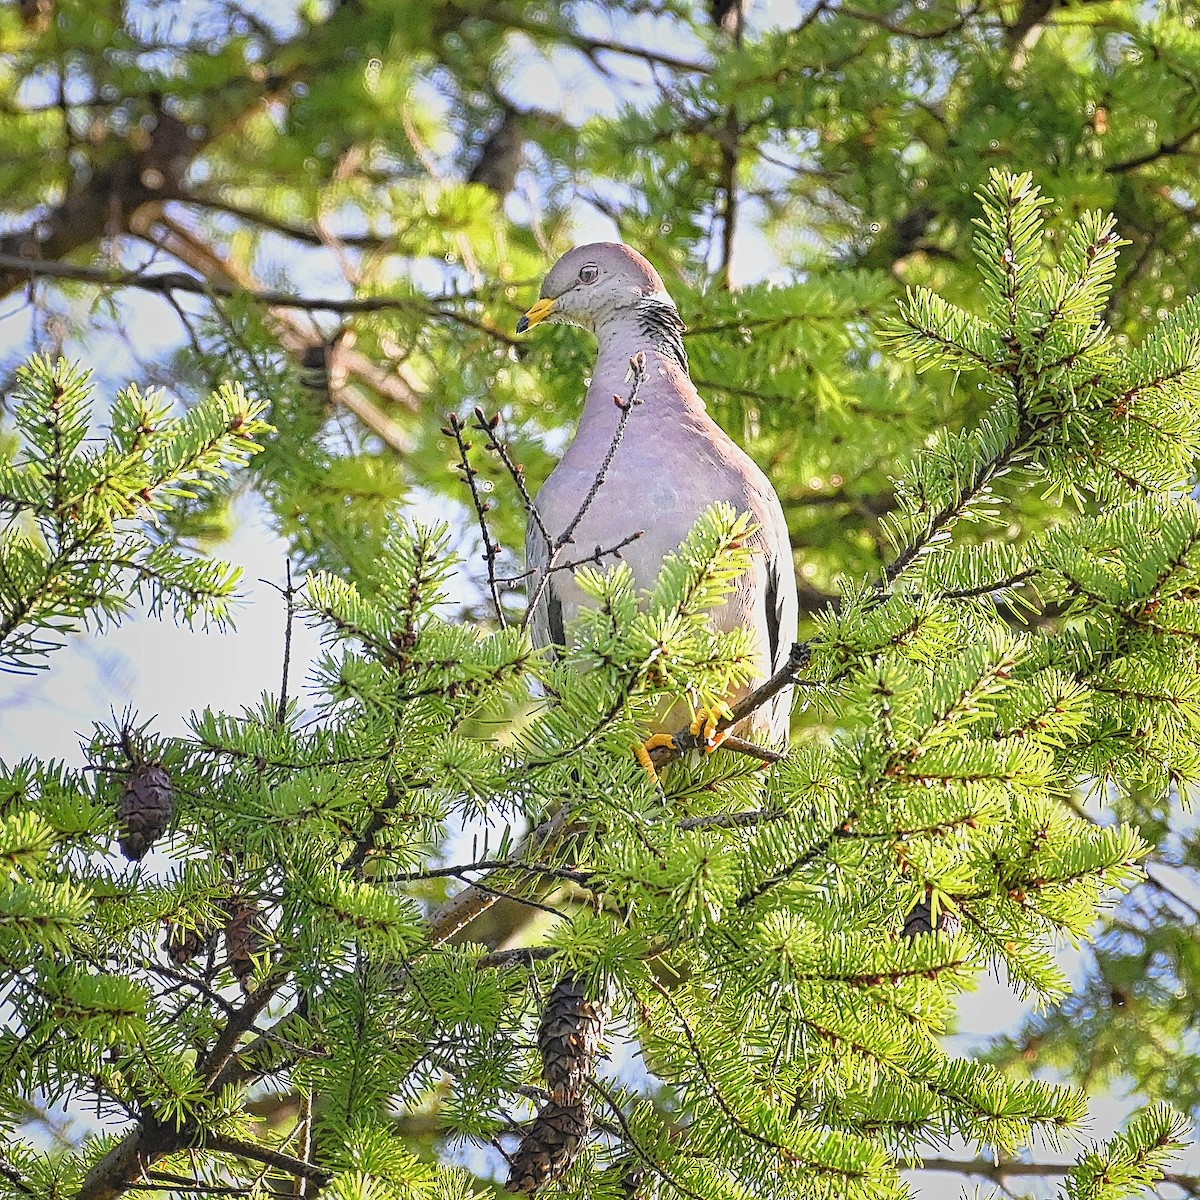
(538,313)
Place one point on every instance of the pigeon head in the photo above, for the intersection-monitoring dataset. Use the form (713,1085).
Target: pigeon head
(592,283)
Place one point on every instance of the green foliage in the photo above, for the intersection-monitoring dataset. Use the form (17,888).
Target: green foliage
(996,556)
(80,541)
(745,928)
(1132,1160)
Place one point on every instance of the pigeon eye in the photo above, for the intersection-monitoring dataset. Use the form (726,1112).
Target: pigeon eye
(589,274)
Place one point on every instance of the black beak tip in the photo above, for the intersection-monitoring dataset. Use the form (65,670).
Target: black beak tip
(522,324)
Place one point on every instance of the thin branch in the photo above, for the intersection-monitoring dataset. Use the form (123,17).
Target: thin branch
(1164,150)
(591,47)
(637,367)
(729,186)
(459,871)
(597,556)
(519,956)
(491,550)
(165,283)
(221,1144)
(289,595)
(165,1181)
(496,893)
(299,233)
(997,1171)
(896,28)
(488,426)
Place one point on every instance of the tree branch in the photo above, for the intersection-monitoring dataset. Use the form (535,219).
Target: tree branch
(999,1171)
(286,1163)
(491,550)
(394,386)
(637,366)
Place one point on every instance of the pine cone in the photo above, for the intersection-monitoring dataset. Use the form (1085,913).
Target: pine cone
(549,1147)
(182,945)
(569,1039)
(145,810)
(243,938)
(920,920)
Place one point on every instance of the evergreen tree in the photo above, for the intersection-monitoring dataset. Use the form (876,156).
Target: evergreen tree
(986,479)
(744,930)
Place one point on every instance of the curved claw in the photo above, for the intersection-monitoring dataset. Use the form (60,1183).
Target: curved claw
(705,723)
(641,751)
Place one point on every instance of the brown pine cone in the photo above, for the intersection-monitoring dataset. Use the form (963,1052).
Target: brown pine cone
(145,810)
(549,1147)
(569,1039)
(920,920)
(182,945)
(243,938)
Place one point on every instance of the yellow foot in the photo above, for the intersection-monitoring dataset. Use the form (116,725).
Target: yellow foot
(641,751)
(705,722)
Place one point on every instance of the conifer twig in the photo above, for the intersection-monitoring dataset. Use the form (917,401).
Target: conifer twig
(629,1138)
(491,550)
(289,597)
(475,899)
(684,740)
(713,1088)
(597,556)
(637,367)
(516,471)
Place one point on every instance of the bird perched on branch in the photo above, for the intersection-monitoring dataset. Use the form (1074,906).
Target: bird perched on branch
(671,463)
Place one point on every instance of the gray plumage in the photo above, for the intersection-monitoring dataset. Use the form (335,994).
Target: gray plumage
(673,462)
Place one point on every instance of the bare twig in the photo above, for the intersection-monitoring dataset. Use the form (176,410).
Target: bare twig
(459,871)
(753,749)
(221,1144)
(908,31)
(289,596)
(488,426)
(491,551)
(165,283)
(637,367)
(521,955)
(597,556)
(730,144)
(166,1181)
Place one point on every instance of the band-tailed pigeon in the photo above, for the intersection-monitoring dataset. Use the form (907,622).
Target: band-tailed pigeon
(672,463)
